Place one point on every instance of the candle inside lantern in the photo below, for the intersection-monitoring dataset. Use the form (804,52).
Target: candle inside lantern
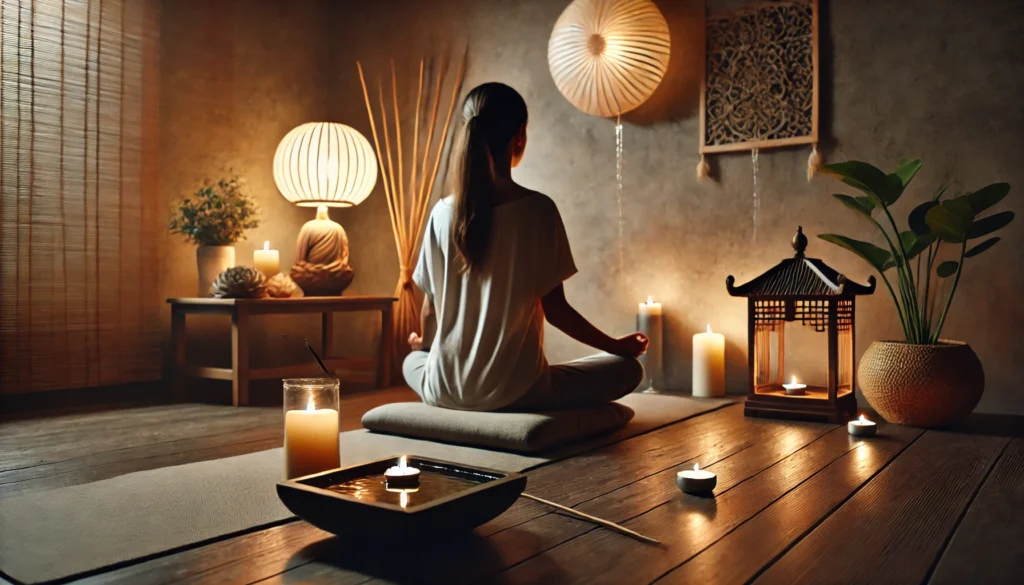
(861,427)
(697,480)
(266,260)
(402,475)
(708,364)
(310,440)
(795,389)
(648,322)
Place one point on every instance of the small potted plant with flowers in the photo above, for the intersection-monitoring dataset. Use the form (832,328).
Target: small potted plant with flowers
(215,217)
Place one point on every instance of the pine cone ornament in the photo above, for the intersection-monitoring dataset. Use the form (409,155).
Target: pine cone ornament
(240,282)
(281,286)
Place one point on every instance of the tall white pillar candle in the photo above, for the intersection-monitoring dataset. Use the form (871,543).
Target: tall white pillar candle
(266,260)
(648,322)
(708,364)
(310,441)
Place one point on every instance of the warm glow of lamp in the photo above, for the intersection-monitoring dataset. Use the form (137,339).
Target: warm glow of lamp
(608,56)
(325,163)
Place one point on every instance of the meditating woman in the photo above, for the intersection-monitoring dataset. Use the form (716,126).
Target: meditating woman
(493,260)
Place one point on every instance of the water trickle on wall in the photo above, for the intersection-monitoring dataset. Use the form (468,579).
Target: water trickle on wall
(757,199)
(618,188)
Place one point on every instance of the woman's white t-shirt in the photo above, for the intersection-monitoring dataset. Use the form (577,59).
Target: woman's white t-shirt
(489,348)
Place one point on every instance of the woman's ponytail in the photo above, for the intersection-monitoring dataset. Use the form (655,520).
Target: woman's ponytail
(494,113)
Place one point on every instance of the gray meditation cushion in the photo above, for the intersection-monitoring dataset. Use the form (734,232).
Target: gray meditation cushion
(522,432)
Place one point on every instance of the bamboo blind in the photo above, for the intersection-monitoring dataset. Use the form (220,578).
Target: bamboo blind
(78,193)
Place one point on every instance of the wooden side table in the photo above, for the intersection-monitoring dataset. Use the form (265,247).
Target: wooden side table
(240,310)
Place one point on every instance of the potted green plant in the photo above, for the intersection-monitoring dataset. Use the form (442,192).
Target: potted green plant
(923,380)
(214,218)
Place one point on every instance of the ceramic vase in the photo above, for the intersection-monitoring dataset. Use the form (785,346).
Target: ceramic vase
(921,385)
(211,261)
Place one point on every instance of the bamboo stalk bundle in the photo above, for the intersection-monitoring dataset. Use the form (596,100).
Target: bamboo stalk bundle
(409,188)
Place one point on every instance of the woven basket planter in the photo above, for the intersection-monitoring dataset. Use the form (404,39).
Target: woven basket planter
(921,385)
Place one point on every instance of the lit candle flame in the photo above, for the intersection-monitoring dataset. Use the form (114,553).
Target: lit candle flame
(862,420)
(696,467)
(403,462)
(266,245)
(310,407)
(794,380)
(709,327)
(650,300)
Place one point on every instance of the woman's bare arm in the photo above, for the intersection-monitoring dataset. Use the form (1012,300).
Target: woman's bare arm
(568,320)
(428,325)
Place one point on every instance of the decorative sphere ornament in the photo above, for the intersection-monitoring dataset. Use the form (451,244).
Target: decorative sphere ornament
(608,56)
(281,286)
(240,282)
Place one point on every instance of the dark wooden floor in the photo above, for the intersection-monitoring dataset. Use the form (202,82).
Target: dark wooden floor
(796,502)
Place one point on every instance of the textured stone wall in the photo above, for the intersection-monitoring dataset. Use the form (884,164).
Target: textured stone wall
(938,80)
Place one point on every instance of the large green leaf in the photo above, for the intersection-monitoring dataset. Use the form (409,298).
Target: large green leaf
(880,259)
(891,189)
(981,247)
(859,175)
(988,196)
(950,220)
(987,225)
(917,218)
(862,205)
(947,268)
(907,169)
(914,244)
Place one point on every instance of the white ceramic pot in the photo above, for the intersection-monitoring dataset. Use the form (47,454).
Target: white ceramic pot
(212,260)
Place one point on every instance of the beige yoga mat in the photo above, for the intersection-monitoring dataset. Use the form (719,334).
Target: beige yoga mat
(71,531)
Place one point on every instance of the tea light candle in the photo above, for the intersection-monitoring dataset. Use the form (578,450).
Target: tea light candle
(795,389)
(697,480)
(861,427)
(402,476)
(266,260)
(648,322)
(708,364)
(310,440)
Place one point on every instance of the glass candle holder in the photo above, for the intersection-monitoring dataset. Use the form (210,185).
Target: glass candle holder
(310,426)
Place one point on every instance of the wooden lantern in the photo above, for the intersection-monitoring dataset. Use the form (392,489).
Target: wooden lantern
(806,293)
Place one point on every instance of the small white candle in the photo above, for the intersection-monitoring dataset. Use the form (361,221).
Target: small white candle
(708,364)
(795,389)
(648,322)
(266,260)
(402,475)
(861,427)
(310,441)
(697,480)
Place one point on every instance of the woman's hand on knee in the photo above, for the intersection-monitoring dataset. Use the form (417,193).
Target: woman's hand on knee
(632,345)
(416,342)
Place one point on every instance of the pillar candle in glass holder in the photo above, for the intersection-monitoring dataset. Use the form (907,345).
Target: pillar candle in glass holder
(648,322)
(266,260)
(708,364)
(310,426)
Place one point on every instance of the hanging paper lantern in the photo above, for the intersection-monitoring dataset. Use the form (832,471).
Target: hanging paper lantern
(325,163)
(608,56)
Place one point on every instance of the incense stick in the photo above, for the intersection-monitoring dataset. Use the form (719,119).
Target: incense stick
(318,360)
(594,519)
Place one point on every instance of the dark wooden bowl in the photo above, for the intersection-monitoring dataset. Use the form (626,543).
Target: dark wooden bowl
(471,496)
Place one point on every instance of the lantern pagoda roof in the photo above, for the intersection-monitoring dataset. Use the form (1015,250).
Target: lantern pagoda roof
(800,277)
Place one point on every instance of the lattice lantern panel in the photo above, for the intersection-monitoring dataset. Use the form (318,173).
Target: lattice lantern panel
(760,87)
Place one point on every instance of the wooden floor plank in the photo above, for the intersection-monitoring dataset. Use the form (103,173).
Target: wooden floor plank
(893,529)
(686,524)
(988,546)
(741,555)
(722,432)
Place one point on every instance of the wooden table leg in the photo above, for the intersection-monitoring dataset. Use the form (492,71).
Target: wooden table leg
(387,347)
(178,345)
(327,334)
(240,356)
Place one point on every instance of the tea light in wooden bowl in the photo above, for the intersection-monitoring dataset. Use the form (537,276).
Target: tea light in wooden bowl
(862,427)
(401,475)
(697,480)
(794,388)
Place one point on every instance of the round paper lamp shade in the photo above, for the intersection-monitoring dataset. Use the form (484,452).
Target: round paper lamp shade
(608,56)
(325,163)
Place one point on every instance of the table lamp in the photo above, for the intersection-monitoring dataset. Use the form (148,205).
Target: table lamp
(322,165)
